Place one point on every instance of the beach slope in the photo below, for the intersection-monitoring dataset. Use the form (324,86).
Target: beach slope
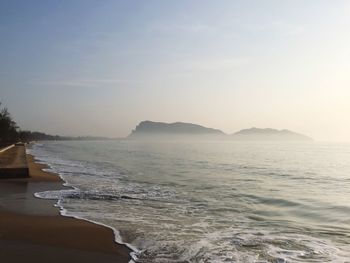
(32,230)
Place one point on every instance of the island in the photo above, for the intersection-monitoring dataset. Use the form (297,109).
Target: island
(269,134)
(161,130)
(180,130)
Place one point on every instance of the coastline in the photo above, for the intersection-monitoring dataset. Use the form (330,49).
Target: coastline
(33,230)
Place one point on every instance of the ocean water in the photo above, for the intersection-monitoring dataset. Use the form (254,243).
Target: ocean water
(210,201)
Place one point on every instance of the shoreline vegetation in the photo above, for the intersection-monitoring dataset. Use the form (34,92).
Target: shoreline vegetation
(10,133)
(33,230)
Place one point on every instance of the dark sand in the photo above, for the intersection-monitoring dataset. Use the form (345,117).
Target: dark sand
(32,230)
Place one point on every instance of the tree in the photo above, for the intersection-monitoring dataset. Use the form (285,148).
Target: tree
(8,127)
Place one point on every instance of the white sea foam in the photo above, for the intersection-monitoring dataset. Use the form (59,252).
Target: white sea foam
(199,203)
(59,195)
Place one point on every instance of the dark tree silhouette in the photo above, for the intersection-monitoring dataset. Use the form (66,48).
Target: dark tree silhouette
(10,132)
(8,127)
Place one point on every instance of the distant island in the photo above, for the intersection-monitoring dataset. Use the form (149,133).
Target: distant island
(269,135)
(150,129)
(180,130)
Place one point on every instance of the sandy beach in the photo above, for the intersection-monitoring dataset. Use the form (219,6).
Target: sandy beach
(32,229)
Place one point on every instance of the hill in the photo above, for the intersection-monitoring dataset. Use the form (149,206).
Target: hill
(150,129)
(180,130)
(269,134)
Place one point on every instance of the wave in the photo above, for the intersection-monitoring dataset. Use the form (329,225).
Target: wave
(167,212)
(87,195)
(61,194)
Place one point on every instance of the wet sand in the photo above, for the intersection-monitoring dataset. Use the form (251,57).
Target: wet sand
(32,230)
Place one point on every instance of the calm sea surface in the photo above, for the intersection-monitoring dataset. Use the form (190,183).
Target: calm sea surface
(211,201)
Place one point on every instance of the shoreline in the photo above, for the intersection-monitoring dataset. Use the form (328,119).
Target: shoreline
(36,227)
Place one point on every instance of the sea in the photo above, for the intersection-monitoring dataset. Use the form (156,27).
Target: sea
(209,201)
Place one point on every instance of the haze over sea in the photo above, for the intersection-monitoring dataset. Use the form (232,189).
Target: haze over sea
(211,201)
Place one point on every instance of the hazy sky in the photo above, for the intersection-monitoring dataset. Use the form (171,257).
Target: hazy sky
(100,67)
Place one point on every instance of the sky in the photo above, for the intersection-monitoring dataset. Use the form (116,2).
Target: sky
(83,67)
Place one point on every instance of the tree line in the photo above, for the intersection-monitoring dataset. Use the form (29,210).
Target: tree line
(10,132)
(8,127)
